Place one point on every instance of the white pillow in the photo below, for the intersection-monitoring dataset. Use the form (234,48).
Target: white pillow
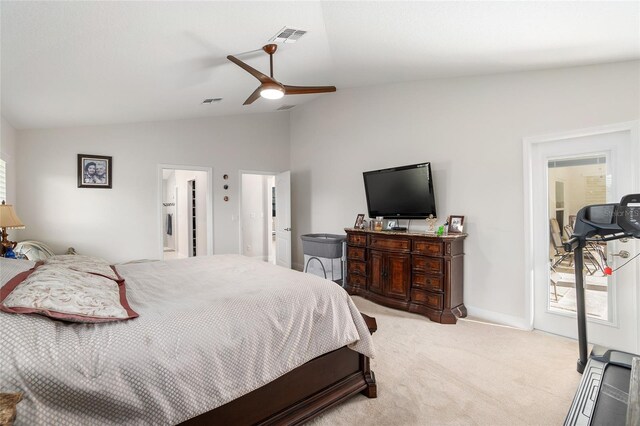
(62,293)
(90,264)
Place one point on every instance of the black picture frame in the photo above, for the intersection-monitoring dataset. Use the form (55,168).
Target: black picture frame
(359,221)
(95,171)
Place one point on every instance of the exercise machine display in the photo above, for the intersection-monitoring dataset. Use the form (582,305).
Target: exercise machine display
(603,396)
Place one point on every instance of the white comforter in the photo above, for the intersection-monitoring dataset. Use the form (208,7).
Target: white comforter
(210,330)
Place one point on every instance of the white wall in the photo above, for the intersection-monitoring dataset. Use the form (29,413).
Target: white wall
(255,216)
(122,223)
(471,129)
(8,142)
(8,138)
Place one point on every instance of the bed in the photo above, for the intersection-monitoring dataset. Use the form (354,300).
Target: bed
(219,340)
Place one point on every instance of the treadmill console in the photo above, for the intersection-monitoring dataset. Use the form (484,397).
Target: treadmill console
(597,219)
(607,220)
(628,216)
(601,214)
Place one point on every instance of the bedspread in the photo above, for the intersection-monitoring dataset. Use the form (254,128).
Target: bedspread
(210,329)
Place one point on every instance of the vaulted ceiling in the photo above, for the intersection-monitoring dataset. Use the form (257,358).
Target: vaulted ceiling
(86,63)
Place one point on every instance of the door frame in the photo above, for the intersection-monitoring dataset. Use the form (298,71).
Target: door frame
(208,203)
(529,144)
(240,173)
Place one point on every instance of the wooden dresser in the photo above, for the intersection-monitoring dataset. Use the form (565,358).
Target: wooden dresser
(415,272)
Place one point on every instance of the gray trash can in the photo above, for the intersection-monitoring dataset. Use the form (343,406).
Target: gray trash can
(324,246)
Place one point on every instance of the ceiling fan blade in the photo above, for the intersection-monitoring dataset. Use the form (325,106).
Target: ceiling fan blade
(307,90)
(255,95)
(254,72)
(249,52)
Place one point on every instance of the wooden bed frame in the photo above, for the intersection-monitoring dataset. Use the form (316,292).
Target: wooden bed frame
(302,393)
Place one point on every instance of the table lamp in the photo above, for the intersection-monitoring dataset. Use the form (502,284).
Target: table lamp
(8,220)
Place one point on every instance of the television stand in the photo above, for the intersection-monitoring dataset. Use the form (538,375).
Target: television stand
(411,271)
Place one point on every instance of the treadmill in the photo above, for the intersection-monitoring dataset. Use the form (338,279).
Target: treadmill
(603,396)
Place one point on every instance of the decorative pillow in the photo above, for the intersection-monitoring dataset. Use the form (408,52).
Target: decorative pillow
(92,265)
(66,294)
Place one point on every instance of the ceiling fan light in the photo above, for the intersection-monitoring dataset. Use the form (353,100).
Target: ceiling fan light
(272,91)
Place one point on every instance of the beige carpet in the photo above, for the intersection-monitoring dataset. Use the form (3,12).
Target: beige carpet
(466,374)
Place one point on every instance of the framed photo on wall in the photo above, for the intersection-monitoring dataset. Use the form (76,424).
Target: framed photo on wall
(456,224)
(94,171)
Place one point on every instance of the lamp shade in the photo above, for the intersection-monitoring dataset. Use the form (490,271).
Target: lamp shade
(9,218)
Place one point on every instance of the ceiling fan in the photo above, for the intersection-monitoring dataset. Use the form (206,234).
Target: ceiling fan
(269,87)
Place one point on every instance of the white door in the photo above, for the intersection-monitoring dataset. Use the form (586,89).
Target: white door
(616,152)
(283,219)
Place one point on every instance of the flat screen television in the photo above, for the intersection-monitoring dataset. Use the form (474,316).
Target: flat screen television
(400,192)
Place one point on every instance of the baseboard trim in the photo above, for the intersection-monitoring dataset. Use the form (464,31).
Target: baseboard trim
(498,318)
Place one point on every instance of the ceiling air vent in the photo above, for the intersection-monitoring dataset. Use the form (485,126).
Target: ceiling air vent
(212,101)
(285,107)
(287,35)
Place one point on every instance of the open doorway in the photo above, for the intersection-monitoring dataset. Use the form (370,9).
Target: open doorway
(186,212)
(258,215)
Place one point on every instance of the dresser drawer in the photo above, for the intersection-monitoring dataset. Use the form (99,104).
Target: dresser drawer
(432,300)
(432,265)
(386,243)
(357,280)
(355,253)
(427,282)
(359,268)
(357,239)
(431,248)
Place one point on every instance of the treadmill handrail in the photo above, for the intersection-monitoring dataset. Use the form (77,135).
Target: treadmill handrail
(572,244)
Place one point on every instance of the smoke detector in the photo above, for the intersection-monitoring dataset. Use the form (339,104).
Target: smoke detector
(287,35)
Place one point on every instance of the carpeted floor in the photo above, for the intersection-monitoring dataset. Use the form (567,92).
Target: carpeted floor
(470,373)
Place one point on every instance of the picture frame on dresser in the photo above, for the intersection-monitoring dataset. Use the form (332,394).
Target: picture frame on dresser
(359,221)
(456,224)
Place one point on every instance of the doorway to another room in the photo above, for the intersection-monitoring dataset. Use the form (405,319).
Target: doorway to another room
(265,217)
(185,211)
(563,173)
